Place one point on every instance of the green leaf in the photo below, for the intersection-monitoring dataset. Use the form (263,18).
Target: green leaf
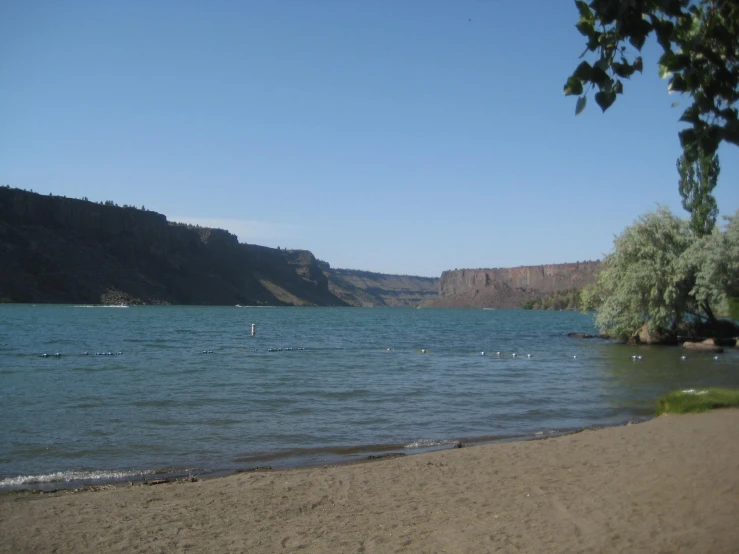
(600,78)
(585,27)
(594,41)
(688,139)
(581,103)
(666,63)
(618,88)
(691,115)
(730,132)
(622,69)
(573,87)
(708,143)
(638,65)
(677,84)
(583,71)
(605,99)
(584,9)
(637,41)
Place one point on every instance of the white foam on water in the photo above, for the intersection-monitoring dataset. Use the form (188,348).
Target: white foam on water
(101,306)
(429,443)
(65,476)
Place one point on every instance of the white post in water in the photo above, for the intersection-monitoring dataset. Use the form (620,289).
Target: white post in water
(253,329)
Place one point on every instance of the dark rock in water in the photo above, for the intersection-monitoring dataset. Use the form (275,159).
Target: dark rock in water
(385,456)
(723,331)
(652,336)
(251,469)
(601,335)
(157,482)
(708,345)
(459,445)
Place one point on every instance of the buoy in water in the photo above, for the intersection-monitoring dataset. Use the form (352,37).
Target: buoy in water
(253,329)
(423,350)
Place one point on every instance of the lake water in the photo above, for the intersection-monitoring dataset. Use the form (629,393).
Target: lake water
(192,391)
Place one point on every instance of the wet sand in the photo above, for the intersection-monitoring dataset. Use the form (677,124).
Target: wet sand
(667,485)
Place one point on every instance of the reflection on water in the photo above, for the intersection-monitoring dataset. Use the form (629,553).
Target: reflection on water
(636,384)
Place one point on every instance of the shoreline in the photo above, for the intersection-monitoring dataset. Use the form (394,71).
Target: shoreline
(668,484)
(369,453)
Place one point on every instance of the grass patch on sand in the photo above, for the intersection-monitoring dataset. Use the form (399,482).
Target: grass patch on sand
(697,400)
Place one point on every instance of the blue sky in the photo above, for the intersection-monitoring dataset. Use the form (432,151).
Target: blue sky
(393,136)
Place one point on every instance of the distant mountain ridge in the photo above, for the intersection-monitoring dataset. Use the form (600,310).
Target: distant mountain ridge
(510,287)
(64,250)
(367,288)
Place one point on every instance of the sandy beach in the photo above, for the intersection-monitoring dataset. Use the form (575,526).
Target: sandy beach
(667,485)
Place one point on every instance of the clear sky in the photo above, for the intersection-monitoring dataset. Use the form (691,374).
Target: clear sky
(399,136)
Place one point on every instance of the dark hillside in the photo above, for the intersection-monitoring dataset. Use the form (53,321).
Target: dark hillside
(366,288)
(63,250)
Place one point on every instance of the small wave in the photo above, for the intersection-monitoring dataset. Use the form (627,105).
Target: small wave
(66,476)
(92,306)
(429,443)
(347,393)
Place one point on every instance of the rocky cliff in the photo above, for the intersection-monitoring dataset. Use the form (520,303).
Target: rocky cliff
(510,287)
(63,250)
(366,288)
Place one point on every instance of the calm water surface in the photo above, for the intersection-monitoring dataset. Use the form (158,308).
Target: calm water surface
(193,391)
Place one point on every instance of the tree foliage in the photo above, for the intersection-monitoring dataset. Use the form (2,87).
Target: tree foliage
(664,274)
(559,300)
(713,260)
(700,44)
(697,181)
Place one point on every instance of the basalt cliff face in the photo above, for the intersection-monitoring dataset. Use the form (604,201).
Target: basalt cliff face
(63,250)
(366,288)
(510,287)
